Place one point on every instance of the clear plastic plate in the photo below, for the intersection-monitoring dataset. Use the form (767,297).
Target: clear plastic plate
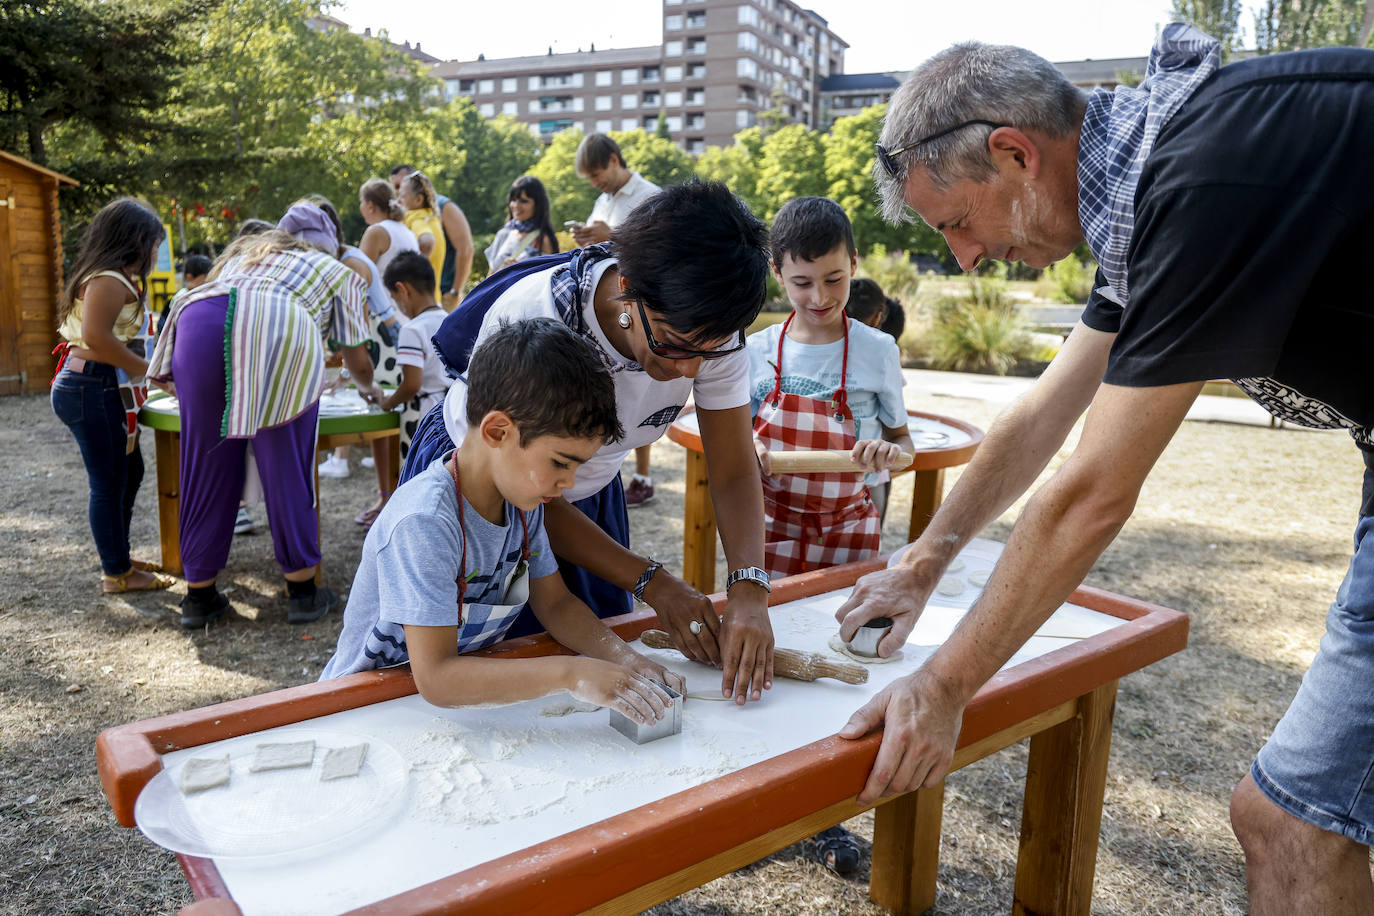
(275,812)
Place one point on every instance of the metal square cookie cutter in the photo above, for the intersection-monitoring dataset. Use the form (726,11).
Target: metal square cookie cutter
(670,724)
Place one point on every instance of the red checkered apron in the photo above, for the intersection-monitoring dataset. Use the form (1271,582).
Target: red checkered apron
(813,520)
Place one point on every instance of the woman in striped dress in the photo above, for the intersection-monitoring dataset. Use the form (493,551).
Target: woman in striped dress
(245,353)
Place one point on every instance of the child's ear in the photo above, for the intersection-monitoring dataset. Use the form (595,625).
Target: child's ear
(497,428)
(853,262)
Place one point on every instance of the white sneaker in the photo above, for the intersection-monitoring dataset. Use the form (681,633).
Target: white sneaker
(334,467)
(244,523)
(368,462)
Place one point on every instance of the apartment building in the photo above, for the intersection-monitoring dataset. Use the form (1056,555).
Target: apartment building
(721,62)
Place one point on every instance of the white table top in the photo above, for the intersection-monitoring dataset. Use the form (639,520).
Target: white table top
(486,782)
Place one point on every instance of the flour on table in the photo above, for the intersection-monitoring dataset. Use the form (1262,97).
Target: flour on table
(201,773)
(979,577)
(838,645)
(950,585)
(282,756)
(568,709)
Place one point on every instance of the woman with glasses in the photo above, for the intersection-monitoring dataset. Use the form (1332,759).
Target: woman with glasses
(665,306)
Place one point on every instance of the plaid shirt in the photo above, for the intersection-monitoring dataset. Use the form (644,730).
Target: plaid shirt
(1119,132)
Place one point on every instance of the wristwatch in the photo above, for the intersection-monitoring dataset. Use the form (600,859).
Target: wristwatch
(749,574)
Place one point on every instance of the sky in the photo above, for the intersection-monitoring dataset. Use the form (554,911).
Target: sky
(882,34)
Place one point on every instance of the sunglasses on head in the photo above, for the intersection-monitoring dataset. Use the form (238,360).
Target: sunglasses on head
(889,160)
(667,351)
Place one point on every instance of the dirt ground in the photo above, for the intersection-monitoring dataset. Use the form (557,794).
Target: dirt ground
(1245,528)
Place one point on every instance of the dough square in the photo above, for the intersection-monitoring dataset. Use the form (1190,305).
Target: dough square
(201,773)
(283,756)
(342,762)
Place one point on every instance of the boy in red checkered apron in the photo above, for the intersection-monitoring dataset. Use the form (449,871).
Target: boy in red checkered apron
(822,381)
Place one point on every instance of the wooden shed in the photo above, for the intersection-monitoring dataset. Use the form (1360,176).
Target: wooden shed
(30,272)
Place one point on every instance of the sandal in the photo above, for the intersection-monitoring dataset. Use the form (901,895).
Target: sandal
(837,849)
(113,585)
(369,515)
(146,565)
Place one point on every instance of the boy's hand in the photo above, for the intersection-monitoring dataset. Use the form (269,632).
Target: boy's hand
(875,454)
(679,605)
(761,451)
(618,687)
(655,672)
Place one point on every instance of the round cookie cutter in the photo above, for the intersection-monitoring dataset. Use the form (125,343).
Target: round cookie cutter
(869,636)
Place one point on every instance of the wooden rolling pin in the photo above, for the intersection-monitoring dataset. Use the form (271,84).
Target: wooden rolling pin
(790,663)
(822,461)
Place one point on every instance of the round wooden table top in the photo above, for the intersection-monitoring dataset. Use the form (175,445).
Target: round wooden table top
(340,413)
(941,442)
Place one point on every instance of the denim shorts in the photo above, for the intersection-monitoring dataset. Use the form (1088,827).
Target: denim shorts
(1319,763)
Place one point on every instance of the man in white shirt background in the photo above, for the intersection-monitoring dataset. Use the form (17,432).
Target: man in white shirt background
(600,161)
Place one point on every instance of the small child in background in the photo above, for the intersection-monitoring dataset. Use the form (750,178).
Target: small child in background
(409,278)
(822,381)
(461,547)
(195,270)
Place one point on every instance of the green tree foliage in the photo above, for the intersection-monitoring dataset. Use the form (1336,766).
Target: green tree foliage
(108,68)
(1218,18)
(1290,25)
(570,195)
(656,158)
(737,167)
(792,165)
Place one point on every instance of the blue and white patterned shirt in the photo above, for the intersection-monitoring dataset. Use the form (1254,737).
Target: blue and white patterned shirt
(1119,132)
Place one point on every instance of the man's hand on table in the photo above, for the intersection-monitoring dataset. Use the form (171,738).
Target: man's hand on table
(899,592)
(920,717)
(746,644)
(679,605)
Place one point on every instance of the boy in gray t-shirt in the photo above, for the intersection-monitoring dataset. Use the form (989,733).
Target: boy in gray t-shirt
(460,548)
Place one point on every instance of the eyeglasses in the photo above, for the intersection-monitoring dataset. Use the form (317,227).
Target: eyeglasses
(889,161)
(669,352)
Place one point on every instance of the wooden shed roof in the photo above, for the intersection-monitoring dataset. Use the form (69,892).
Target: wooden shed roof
(33,166)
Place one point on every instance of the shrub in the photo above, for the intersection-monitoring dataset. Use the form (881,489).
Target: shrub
(1068,280)
(893,271)
(980,331)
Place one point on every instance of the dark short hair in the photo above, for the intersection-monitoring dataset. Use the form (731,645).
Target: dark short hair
(894,322)
(865,300)
(196,265)
(409,267)
(400,168)
(698,257)
(595,152)
(546,378)
(809,227)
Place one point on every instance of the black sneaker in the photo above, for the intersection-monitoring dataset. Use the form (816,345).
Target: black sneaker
(308,608)
(197,612)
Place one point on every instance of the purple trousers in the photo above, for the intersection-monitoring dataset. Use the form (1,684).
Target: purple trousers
(213,467)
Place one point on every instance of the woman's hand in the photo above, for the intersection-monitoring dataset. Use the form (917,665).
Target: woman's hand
(619,687)
(679,605)
(875,454)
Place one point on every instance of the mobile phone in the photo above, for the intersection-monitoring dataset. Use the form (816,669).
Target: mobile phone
(574,224)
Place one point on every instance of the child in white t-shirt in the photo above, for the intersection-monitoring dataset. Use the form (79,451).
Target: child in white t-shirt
(410,280)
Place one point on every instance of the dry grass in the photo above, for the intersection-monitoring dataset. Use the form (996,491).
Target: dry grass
(1247,529)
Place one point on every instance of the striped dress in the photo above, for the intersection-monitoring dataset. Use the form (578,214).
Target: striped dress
(281,310)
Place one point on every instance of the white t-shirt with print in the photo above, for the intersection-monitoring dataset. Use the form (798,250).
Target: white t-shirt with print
(646,407)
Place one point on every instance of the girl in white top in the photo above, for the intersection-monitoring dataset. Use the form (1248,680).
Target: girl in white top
(386,235)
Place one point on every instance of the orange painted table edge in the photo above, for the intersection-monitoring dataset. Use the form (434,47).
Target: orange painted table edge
(604,860)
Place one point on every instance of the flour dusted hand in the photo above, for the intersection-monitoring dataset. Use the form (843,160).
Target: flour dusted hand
(619,687)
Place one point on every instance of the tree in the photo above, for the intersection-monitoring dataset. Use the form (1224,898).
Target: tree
(661,126)
(570,195)
(793,165)
(1218,18)
(1290,25)
(657,158)
(108,67)
(736,166)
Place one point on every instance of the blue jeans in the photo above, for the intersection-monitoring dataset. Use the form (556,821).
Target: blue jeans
(88,403)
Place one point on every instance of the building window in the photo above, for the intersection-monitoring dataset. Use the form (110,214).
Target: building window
(604,77)
(696,71)
(746,69)
(674,123)
(672,23)
(510,108)
(629,101)
(743,119)
(629,77)
(748,41)
(465,86)
(487,109)
(672,49)
(603,103)
(672,74)
(629,123)
(696,122)
(696,20)
(605,127)
(650,75)
(696,46)
(509,84)
(672,99)
(748,15)
(553,127)
(696,145)
(486,87)
(696,96)
(650,100)
(650,123)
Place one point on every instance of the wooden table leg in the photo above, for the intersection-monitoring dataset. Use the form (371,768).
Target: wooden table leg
(167,456)
(1062,815)
(906,851)
(927,492)
(698,527)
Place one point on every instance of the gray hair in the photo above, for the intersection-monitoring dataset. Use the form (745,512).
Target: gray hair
(970,81)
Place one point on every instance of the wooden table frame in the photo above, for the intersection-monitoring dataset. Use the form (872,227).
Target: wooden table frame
(355,429)
(1063,701)
(699,516)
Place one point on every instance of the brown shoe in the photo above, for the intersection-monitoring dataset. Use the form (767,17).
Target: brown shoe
(113,585)
(639,492)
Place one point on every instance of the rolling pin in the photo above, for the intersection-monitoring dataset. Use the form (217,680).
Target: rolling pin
(790,663)
(820,461)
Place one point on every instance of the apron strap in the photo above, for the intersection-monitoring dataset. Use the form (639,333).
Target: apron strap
(776,394)
(462,531)
(839,404)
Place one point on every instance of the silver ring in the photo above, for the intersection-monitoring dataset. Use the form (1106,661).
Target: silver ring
(695,627)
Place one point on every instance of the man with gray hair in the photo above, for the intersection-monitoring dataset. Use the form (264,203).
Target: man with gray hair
(1227,207)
